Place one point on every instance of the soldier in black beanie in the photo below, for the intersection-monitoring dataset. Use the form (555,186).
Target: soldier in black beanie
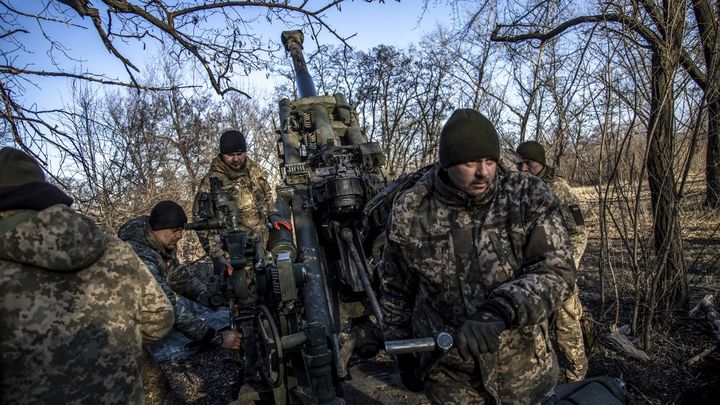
(246,184)
(154,238)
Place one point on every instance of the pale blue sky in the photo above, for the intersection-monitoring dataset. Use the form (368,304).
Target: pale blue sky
(392,23)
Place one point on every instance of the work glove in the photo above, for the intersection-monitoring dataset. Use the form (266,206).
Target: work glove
(480,334)
(408,365)
(277,222)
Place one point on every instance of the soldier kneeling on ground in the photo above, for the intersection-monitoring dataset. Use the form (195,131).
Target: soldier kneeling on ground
(154,238)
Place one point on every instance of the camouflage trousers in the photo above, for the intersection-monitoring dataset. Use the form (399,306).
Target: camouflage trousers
(155,384)
(569,338)
(446,386)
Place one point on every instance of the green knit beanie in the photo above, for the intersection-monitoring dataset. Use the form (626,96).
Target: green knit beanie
(467,136)
(17,168)
(532,150)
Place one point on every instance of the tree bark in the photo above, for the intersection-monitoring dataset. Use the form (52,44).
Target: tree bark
(707,14)
(670,280)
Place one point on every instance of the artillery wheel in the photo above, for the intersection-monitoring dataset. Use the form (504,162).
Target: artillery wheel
(270,353)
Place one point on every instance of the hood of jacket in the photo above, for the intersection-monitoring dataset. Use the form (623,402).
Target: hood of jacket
(56,238)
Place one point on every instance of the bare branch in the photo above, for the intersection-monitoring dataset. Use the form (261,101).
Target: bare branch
(13,32)
(11,70)
(627,21)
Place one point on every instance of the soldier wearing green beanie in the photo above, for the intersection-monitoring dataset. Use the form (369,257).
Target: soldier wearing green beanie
(568,332)
(468,135)
(76,305)
(481,250)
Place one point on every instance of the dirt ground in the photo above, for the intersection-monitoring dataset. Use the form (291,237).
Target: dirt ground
(211,377)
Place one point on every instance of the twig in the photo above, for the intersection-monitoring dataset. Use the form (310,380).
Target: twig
(705,309)
(696,358)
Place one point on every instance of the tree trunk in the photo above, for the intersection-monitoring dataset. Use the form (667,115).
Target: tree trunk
(670,280)
(712,155)
(706,15)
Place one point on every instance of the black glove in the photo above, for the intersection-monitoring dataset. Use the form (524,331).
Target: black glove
(408,364)
(219,266)
(480,334)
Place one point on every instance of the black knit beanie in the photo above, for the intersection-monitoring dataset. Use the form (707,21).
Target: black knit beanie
(232,141)
(467,136)
(532,150)
(23,185)
(167,215)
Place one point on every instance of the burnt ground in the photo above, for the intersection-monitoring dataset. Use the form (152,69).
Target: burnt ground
(211,377)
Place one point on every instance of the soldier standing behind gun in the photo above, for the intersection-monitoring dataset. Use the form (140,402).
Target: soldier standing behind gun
(246,184)
(76,304)
(568,332)
(480,251)
(155,239)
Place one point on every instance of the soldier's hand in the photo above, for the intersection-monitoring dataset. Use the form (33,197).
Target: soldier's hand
(480,334)
(232,339)
(277,222)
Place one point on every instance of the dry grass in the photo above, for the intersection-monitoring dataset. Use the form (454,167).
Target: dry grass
(666,378)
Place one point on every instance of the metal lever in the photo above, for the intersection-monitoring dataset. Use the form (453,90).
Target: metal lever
(443,341)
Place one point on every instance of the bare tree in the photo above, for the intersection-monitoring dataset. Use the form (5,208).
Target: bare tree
(661,27)
(215,38)
(706,18)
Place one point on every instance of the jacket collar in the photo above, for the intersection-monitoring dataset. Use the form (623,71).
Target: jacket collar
(220,166)
(446,191)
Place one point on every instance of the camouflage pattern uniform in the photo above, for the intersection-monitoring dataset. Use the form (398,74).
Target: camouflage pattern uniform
(76,306)
(447,255)
(251,191)
(253,195)
(174,280)
(568,332)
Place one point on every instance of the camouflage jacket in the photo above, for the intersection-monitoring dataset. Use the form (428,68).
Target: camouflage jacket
(568,331)
(447,256)
(173,278)
(570,210)
(76,306)
(252,193)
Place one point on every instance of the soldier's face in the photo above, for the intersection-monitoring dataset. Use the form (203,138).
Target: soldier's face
(474,178)
(530,166)
(235,160)
(169,237)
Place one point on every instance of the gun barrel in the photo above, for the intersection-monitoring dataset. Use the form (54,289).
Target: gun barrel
(293,40)
(204,225)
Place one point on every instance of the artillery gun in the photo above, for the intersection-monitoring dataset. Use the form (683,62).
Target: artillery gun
(329,171)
